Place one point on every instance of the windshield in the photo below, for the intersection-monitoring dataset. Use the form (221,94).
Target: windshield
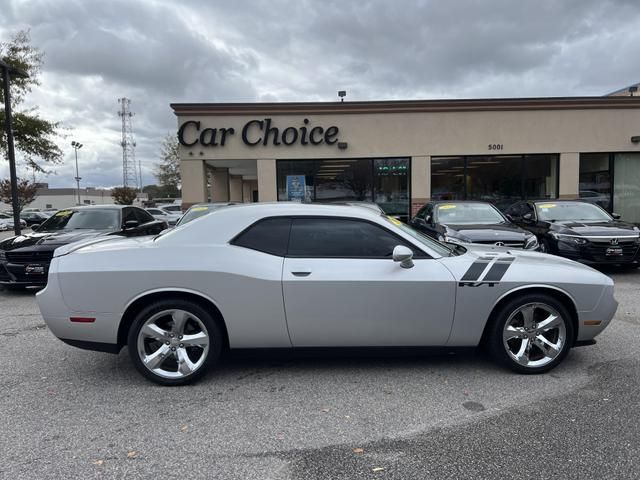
(198,211)
(434,245)
(575,211)
(94,219)
(468,213)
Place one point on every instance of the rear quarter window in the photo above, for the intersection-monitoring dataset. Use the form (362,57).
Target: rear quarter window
(270,236)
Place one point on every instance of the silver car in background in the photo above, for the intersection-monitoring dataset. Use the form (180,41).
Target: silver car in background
(301,275)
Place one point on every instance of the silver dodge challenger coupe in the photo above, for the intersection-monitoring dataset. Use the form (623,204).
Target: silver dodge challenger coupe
(300,275)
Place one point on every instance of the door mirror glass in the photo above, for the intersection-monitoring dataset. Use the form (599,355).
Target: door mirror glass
(527,217)
(616,216)
(428,219)
(403,255)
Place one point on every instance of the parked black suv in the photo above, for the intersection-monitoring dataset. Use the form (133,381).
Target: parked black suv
(24,260)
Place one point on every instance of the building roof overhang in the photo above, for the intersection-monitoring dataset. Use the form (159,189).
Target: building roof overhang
(407,106)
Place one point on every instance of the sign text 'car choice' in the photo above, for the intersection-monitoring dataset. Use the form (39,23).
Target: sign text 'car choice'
(257,132)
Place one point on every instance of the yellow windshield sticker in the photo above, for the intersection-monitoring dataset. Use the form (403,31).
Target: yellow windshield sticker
(395,221)
(446,207)
(199,209)
(64,213)
(548,205)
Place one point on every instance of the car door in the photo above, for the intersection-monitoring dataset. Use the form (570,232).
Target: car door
(342,288)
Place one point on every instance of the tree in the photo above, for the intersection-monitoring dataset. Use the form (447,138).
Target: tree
(34,136)
(124,195)
(168,171)
(27,192)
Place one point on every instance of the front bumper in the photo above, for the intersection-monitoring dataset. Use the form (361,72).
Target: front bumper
(599,253)
(16,274)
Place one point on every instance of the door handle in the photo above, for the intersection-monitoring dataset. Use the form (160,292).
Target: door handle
(301,274)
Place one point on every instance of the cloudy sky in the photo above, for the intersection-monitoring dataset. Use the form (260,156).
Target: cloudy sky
(156,52)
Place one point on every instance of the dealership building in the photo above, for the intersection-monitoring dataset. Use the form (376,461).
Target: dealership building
(400,154)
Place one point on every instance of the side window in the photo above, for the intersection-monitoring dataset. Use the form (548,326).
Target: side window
(336,237)
(127,215)
(428,212)
(269,236)
(515,210)
(142,216)
(421,212)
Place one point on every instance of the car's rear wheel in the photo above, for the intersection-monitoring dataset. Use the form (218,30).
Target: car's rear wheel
(530,334)
(174,342)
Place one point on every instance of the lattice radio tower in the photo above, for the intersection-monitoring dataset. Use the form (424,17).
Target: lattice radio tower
(131,176)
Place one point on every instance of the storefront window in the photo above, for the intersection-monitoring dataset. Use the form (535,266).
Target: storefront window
(626,186)
(499,179)
(595,179)
(383,181)
(447,178)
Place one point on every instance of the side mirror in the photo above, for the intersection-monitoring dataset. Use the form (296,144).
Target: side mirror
(616,216)
(36,226)
(429,219)
(131,224)
(403,255)
(527,217)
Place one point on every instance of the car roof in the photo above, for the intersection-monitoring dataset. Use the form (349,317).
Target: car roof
(230,221)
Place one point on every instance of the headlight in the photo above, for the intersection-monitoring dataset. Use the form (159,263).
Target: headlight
(568,238)
(531,243)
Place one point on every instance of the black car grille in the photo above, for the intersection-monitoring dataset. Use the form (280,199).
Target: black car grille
(598,251)
(513,244)
(29,257)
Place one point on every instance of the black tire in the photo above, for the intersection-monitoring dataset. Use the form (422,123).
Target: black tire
(494,338)
(213,331)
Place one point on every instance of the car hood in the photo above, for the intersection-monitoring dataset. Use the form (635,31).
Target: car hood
(486,233)
(103,243)
(594,229)
(52,239)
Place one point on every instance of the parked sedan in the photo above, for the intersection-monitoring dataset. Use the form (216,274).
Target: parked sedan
(345,276)
(170,217)
(25,259)
(6,222)
(471,222)
(33,217)
(580,231)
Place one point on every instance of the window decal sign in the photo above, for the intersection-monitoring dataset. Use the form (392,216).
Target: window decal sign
(296,187)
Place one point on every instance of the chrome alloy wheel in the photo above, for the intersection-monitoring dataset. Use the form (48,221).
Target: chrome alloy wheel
(534,335)
(173,343)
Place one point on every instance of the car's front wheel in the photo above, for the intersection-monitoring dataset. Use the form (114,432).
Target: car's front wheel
(174,342)
(530,334)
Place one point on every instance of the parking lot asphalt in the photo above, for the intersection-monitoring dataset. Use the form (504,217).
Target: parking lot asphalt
(68,413)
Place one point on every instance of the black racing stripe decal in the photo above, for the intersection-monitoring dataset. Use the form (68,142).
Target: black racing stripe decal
(498,269)
(475,270)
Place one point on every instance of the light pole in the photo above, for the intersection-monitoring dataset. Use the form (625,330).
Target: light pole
(7,71)
(77,146)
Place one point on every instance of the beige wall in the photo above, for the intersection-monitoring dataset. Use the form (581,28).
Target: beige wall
(267,182)
(220,185)
(569,175)
(421,135)
(436,133)
(194,183)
